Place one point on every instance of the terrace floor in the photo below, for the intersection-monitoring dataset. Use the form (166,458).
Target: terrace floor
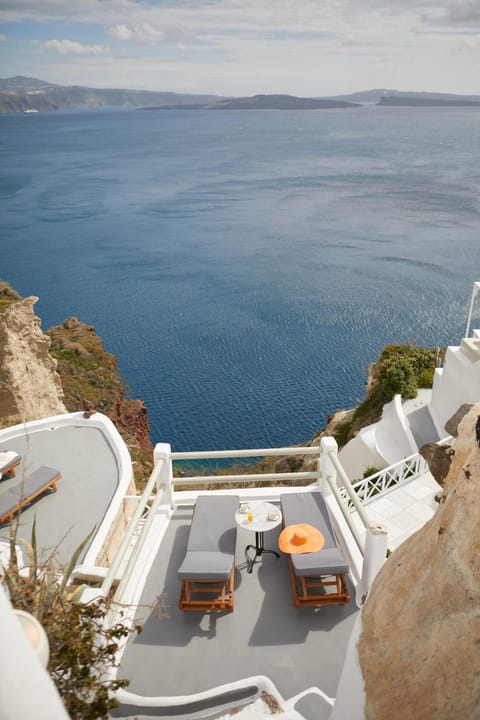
(404,509)
(265,635)
(89,479)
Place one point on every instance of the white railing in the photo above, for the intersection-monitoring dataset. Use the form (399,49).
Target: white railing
(406,470)
(314,475)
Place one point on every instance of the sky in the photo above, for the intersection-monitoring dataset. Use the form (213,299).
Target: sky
(245,47)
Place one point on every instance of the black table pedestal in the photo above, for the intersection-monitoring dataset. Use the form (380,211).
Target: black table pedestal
(259,550)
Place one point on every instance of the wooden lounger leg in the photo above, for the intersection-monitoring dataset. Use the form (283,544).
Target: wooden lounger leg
(310,586)
(193,594)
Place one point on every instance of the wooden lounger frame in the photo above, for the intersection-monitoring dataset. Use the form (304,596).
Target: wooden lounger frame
(208,584)
(305,589)
(193,592)
(319,577)
(27,499)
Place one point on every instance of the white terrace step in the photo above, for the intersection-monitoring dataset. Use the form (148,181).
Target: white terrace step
(471,348)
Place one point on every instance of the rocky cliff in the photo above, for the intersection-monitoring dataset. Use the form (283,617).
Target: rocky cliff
(30,387)
(419,648)
(63,370)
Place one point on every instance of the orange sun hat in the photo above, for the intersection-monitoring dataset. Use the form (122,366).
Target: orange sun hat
(300,538)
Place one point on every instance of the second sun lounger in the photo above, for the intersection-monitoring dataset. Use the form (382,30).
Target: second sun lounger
(318,578)
(207,572)
(22,494)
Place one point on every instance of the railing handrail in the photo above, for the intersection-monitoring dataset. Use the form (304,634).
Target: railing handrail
(255,452)
(245,477)
(346,514)
(350,489)
(131,528)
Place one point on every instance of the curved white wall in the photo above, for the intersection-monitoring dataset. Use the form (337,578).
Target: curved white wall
(394,439)
(380,444)
(117,446)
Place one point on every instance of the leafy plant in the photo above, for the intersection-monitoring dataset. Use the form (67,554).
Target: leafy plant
(82,648)
(399,379)
(370,471)
(400,369)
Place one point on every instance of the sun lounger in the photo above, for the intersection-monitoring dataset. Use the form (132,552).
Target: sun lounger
(318,578)
(8,462)
(16,498)
(207,571)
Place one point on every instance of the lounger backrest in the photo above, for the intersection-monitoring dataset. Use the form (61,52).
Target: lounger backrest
(310,507)
(213,524)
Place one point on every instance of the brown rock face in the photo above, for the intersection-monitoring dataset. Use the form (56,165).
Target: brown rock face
(30,387)
(420,645)
(439,459)
(90,378)
(132,416)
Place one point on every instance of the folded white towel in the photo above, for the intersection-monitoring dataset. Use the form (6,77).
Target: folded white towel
(7,456)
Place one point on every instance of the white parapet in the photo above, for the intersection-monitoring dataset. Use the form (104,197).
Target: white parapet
(26,689)
(376,539)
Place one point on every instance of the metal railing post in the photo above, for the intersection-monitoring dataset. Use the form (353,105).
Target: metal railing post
(163,452)
(328,448)
(476,288)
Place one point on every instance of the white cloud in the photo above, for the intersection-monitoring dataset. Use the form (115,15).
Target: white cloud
(463,11)
(120,32)
(3,37)
(67,47)
(147,34)
(245,46)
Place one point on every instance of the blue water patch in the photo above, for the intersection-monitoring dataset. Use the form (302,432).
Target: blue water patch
(245,267)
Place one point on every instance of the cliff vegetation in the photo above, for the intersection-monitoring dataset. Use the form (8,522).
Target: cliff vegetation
(64,370)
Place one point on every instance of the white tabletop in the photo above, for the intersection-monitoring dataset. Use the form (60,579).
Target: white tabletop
(261,521)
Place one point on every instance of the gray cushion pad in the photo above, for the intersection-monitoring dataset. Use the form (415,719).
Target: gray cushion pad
(35,481)
(206,565)
(310,508)
(211,541)
(8,501)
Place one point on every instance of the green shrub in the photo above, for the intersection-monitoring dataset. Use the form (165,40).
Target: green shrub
(370,471)
(425,378)
(399,378)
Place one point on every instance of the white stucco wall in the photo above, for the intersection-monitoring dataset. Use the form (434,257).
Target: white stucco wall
(394,439)
(380,444)
(458,382)
(361,453)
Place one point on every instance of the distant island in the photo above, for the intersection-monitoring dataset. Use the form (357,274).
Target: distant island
(265,102)
(20,94)
(27,95)
(418,101)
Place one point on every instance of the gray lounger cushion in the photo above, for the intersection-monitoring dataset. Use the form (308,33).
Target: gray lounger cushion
(8,501)
(310,508)
(211,543)
(39,478)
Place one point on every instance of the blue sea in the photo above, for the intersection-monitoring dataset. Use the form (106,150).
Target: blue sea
(245,267)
